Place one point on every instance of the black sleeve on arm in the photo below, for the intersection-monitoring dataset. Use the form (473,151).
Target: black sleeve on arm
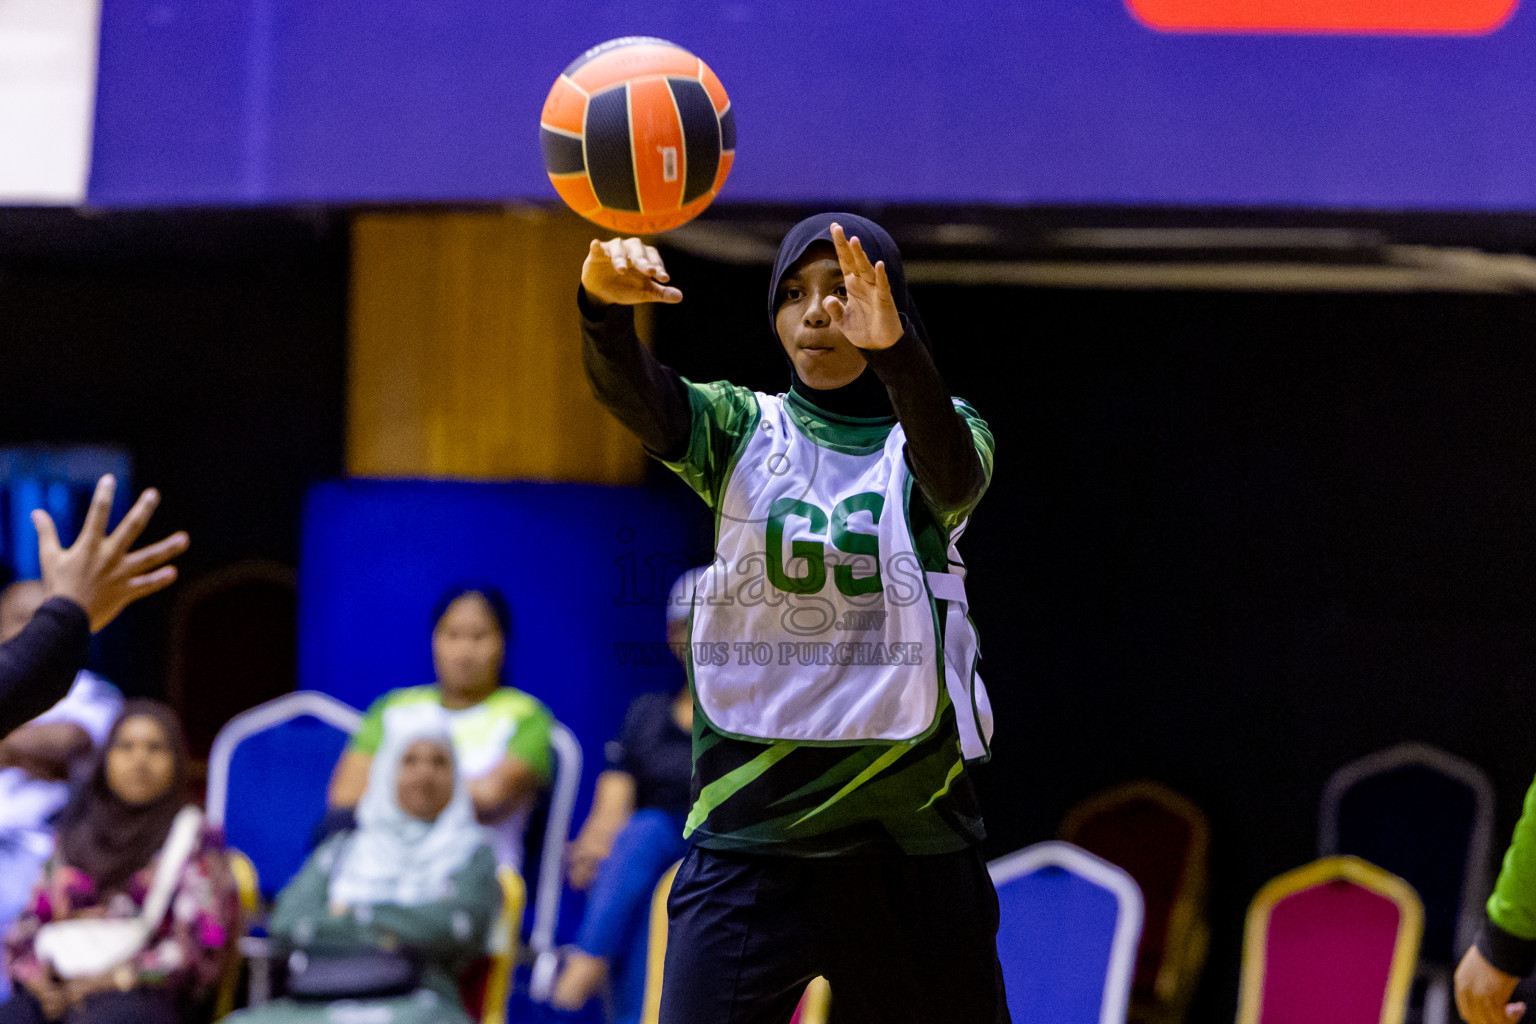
(650,399)
(38,665)
(1509,953)
(940,448)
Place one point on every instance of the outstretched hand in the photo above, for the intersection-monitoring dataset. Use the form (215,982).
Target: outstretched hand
(868,317)
(626,272)
(1483,991)
(99,572)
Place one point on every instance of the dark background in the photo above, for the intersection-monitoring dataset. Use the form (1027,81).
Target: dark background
(212,345)
(1234,540)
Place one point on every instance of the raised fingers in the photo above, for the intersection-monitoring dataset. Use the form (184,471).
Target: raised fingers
(844,251)
(155,555)
(143,586)
(860,257)
(95,524)
(134,522)
(851,258)
(47,534)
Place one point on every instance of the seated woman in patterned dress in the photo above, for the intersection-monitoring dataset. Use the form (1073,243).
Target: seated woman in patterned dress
(110,839)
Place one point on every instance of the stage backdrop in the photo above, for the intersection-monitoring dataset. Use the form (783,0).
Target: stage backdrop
(1345,103)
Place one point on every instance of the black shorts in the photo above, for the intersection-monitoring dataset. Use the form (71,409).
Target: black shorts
(900,939)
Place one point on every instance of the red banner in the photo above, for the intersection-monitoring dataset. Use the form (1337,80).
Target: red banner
(1402,17)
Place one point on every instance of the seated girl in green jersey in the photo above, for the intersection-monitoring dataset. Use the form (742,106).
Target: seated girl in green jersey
(834,827)
(500,734)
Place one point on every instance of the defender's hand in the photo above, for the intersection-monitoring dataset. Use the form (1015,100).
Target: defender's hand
(1483,991)
(868,317)
(626,272)
(99,572)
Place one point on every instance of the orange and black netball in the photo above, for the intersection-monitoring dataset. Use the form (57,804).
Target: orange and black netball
(638,135)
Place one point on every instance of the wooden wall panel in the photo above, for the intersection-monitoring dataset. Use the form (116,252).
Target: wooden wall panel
(466,350)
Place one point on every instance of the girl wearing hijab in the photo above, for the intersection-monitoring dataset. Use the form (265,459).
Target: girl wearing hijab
(418,874)
(110,837)
(834,829)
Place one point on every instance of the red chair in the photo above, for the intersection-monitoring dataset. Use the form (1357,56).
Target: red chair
(1161,840)
(1333,942)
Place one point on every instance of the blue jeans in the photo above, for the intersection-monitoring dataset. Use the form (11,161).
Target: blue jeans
(619,904)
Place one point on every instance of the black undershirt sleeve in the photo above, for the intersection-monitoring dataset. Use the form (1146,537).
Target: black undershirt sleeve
(38,665)
(1508,953)
(650,399)
(940,449)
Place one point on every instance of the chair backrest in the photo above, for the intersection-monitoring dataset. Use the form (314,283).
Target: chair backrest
(1067,934)
(1424,815)
(1335,940)
(1162,839)
(550,886)
(267,777)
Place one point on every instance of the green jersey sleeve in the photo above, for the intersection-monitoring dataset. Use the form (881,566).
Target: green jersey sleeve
(371,733)
(1513,904)
(530,740)
(981,435)
(723,416)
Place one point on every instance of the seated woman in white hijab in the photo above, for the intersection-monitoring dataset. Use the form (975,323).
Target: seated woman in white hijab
(388,916)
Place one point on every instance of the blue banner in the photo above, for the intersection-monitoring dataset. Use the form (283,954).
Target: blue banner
(285,101)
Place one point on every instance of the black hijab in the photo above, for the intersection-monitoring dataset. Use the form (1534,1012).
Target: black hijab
(865,395)
(108,838)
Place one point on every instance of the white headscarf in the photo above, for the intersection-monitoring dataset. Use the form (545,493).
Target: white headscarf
(393,857)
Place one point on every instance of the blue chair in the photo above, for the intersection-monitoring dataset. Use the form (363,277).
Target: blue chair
(268,773)
(1426,816)
(1067,935)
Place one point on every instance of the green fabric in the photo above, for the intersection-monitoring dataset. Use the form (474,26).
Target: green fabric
(722,416)
(801,800)
(529,742)
(1513,904)
(450,934)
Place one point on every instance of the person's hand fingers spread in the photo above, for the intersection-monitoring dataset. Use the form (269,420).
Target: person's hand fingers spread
(134,522)
(834,307)
(155,555)
(95,524)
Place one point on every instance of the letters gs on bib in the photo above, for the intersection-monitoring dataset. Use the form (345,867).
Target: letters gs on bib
(861,580)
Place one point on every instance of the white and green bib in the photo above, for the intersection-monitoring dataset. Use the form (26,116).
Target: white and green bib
(817,622)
